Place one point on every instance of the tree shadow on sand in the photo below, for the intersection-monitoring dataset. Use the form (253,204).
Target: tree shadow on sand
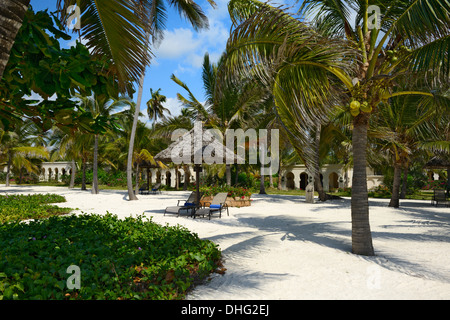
(336,234)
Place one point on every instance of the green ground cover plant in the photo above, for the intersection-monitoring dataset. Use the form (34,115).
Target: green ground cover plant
(17,207)
(130,258)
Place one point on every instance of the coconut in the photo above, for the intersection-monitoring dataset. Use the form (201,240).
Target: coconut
(355,105)
(354,112)
(365,107)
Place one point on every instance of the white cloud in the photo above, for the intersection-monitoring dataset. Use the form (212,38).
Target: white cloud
(189,47)
(177,43)
(174,106)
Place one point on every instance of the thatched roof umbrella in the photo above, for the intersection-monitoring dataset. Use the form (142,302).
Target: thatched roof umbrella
(438,163)
(196,147)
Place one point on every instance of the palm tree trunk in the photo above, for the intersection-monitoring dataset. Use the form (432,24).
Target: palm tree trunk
(187,176)
(317,181)
(395,202)
(177,178)
(136,188)
(12,13)
(361,234)
(95,167)
(270,177)
(448,181)
(20,175)
(83,177)
(228,174)
(405,183)
(8,168)
(262,188)
(72,176)
(131,194)
(280,175)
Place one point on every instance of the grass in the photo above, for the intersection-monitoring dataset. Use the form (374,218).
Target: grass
(117,259)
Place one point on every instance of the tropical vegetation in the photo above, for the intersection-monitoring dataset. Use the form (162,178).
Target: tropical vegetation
(353,82)
(120,259)
(335,62)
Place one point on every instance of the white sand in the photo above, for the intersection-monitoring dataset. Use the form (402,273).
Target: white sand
(283,248)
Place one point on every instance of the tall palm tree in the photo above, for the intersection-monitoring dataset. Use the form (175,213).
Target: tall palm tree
(101,109)
(12,13)
(155,106)
(154,13)
(360,64)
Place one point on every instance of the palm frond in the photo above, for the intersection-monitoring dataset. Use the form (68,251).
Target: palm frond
(112,29)
(293,62)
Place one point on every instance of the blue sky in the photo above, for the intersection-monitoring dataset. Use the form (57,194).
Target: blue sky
(181,52)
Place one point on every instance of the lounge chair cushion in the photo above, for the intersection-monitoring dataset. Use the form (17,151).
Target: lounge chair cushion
(215,206)
(189,204)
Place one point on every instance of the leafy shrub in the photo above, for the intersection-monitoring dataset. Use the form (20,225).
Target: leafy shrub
(232,191)
(435,184)
(21,207)
(345,191)
(132,258)
(380,191)
(113,179)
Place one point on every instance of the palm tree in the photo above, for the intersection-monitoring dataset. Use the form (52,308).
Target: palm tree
(311,70)
(12,13)
(155,106)
(154,13)
(101,110)
(400,127)
(18,149)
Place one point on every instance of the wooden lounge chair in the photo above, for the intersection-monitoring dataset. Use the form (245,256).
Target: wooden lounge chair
(155,188)
(217,204)
(439,197)
(189,205)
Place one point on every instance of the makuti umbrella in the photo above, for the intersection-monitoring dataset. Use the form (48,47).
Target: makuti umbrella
(198,146)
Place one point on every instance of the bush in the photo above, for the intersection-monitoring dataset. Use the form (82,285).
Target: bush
(435,184)
(113,179)
(132,258)
(232,191)
(381,191)
(346,192)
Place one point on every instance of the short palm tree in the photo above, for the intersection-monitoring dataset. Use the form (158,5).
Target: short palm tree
(155,106)
(359,63)
(399,128)
(17,149)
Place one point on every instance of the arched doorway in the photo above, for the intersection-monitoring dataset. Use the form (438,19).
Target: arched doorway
(158,177)
(333,181)
(303,180)
(290,183)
